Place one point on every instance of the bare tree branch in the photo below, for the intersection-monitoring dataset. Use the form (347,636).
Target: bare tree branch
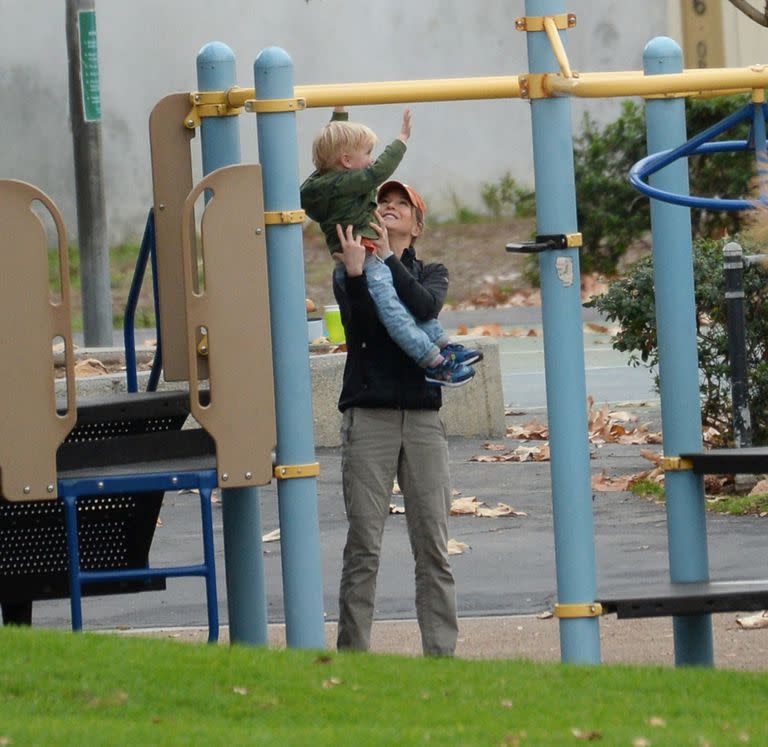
(749,10)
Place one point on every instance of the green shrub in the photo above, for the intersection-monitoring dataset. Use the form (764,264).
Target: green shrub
(507,197)
(630,302)
(612,214)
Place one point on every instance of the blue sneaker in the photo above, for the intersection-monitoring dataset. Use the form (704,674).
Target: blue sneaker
(449,373)
(467,356)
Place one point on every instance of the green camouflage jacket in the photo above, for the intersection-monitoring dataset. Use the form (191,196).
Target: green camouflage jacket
(348,197)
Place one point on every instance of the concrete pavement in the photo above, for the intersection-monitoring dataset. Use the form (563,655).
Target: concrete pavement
(507,572)
(507,576)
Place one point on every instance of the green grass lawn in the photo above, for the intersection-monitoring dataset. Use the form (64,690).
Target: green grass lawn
(93,689)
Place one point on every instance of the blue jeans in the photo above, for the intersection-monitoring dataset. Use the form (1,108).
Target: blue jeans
(417,339)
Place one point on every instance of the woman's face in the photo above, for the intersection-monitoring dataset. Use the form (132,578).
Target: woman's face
(398,214)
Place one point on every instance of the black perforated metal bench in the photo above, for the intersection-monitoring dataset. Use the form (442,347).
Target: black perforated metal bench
(115,531)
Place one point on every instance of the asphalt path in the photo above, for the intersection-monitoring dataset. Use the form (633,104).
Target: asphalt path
(509,567)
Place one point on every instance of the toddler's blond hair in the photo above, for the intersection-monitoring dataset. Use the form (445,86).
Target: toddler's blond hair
(338,138)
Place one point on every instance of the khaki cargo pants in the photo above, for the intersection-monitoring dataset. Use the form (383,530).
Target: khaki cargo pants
(377,445)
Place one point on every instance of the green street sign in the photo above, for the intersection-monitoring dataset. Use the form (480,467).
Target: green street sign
(89,66)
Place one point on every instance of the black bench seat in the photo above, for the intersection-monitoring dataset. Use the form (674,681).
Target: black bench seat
(696,598)
(746,461)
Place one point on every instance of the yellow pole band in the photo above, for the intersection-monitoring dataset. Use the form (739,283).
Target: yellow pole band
(568,611)
(289,471)
(675,464)
(279,217)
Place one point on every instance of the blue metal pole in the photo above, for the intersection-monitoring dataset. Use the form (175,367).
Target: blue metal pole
(241,507)
(297,497)
(678,359)
(564,354)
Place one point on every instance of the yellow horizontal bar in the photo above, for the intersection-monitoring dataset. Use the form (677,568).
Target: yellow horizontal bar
(693,82)
(393,91)
(689,82)
(400,92)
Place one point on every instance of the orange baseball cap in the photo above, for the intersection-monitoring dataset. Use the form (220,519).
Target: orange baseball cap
(413,195)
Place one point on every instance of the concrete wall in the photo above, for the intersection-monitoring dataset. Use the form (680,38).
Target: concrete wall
(147,49)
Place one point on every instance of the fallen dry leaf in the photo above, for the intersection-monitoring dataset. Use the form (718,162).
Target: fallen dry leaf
(494,447)
(520,454)
(90,367)
(395,509)
(272,536)
(600,329)
(457,548)
(588,735)
(651,456)
(487,330)
(534,430)
(502,509)
(509,410)
(240,690)
(310,304)
(608,426)
(546,615)
(467,505)
(603,484)
(332,682)
(471,506)
(761,487)
(657,721)
(753,622)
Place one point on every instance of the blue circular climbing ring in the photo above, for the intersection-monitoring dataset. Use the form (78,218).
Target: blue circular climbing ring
(704,143)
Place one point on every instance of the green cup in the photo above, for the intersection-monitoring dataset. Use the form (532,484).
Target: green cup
(333,325)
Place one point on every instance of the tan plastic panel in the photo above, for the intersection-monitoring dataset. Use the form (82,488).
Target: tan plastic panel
(233,306)
(30,428)
(172,181)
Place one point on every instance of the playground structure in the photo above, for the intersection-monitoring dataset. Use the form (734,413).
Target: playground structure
(190,342)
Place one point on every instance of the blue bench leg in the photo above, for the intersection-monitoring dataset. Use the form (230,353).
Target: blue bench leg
(75,588)
(206,515)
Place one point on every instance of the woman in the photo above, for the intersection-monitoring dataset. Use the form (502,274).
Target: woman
(391,427)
